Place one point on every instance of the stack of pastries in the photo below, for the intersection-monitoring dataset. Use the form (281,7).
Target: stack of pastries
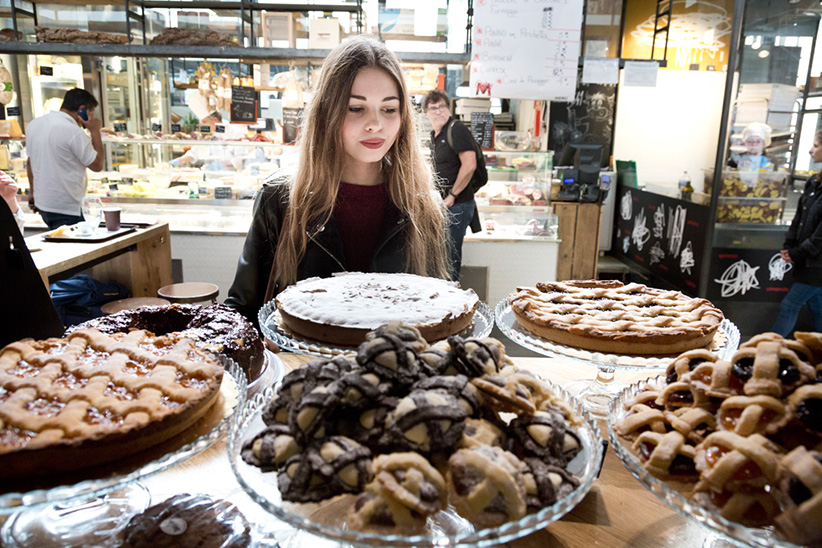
(747,431)
(410,428)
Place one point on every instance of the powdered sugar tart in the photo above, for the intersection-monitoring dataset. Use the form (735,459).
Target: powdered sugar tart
(609,316)
(343,308)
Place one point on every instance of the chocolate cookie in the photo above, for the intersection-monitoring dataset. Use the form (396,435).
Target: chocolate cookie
(427,421)
(410,479)
(408,334)
(545,484)
(188,520)
(503,392)
(474,357)
(270,448)
(328,468)
(545,435)
(315,373)
(360,388)
(458,386)
(482,432)
(309,417)
(375,510)
(432,361)
(368,425)
(389,357)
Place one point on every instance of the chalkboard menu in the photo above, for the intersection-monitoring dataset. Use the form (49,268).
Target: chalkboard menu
(243,105)
(175,128)
(13,111)
(46,71)
(223,193)
(127,180)
(156,127)
(219,129)
(292,117)
(758,275)
(482,128)
(589,118)
(205,129)
(120,127)
(663,235)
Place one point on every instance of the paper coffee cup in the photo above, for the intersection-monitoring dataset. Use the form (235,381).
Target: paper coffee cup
(112,215)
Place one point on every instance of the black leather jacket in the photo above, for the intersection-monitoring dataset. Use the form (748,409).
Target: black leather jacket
(324,254)
(804,237)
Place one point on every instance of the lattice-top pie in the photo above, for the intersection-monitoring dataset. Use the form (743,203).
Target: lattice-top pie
(91,398)
(608,316)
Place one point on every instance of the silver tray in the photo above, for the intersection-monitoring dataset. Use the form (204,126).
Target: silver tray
(725,344)
(446,528)
(13,502)
(734,532)
(273,329)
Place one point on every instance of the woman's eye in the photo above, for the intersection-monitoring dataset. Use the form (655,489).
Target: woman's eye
(391,110)
(355,110)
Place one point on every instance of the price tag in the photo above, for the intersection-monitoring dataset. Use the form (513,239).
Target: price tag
(120,127)
(156,127)
(223,193)
(103,180)
(46,71)
(205,129)
(113,186)
(202,190)
(13,111)
(175,128)
(127,180)
(219,129)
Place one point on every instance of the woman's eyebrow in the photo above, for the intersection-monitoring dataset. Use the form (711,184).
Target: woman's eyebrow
(361,98)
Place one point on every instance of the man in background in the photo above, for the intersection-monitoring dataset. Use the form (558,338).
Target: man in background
(452,148)
(59,152)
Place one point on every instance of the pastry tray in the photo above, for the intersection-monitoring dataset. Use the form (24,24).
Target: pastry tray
(725,343)
(446,528)
(675,495)
(96,236)
(111,476)
(272,328)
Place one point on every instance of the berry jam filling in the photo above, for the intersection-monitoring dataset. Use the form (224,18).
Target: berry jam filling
(788,373)
(810,413)
(743,368)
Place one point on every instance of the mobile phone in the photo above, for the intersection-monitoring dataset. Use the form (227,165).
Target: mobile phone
(82,112)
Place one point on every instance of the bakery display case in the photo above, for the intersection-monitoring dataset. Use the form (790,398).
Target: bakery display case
(516,178)
(756,197)
(518,221)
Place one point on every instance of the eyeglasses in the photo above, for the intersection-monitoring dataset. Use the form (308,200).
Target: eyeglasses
(437,108)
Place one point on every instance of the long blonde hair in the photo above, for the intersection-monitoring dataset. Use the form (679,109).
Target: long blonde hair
(322,157)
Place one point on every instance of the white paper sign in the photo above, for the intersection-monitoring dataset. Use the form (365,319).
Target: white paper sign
(526,49)
(600,71)
(641,73)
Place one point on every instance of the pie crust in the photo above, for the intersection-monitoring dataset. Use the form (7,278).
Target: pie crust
(608,316)
(91,398)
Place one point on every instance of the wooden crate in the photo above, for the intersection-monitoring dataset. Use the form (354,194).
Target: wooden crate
(579,232)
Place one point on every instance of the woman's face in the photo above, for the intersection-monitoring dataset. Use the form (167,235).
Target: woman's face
(373,118)
(816,151)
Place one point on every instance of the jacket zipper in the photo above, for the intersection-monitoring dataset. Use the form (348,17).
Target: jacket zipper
(321,246)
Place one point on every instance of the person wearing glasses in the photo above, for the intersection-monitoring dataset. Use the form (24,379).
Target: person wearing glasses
(362,198)
(452,149)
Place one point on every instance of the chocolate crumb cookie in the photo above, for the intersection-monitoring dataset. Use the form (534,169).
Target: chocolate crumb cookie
(481,432)
(188,520)
(369,425)
(544,435)
(486,485)
(360,388)
(408,334)
(314,411)
(474,357)
(458,386)
(389,357)
(545,484)
(334,466)
(503,392)
(427,421)
(315,373)
(269,449)
(432,361)
(375,510)
(411,479)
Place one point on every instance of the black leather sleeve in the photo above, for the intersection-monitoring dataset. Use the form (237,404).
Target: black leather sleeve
(254,266)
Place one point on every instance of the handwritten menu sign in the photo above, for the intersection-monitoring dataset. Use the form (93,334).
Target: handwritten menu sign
(175,128)
(13,111)
(219,129)
(205,129)
(526,50)
(120,127)
(46,71)
(156,127)
(292,117)
(482,128)
(223,193)
(243,105)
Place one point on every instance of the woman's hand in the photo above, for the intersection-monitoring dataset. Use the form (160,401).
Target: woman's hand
(786,256)
(8,191)
(448,201)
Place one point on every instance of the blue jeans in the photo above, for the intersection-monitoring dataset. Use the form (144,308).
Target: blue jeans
(459,216)
(791,305)
(56,220)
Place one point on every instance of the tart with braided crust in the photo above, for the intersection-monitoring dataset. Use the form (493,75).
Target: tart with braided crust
(609,316)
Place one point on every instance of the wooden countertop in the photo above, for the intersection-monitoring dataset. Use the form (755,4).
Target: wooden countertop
(617,512)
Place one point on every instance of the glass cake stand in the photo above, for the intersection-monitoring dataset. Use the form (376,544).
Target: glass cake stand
(446,528)
(88,508)
(677,499)
(272,328)
(596,394)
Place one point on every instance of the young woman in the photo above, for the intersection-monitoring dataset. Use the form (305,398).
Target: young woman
(363,197)
(803,249)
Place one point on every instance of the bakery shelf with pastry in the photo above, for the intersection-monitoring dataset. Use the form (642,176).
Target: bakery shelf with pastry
(733,443)
(402,439)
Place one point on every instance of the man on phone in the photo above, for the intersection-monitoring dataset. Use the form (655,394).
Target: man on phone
(59,152)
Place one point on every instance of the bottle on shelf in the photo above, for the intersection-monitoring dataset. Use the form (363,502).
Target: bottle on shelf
(685,188)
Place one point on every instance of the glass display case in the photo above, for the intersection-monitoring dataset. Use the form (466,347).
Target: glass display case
(516,178)
(757,197)
(518,221)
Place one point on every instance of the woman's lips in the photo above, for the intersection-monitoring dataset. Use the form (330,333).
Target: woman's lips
(373,143)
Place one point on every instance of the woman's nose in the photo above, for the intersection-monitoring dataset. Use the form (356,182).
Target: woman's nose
(373,123)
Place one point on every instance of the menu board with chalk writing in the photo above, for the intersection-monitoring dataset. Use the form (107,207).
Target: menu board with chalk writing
(482,128)
(243,105)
